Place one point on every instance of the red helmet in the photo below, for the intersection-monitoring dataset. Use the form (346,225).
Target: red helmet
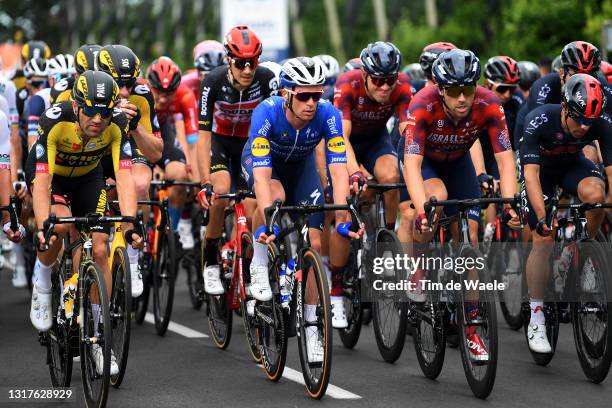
(242,42)
(164,75)
(606,68)
(581,56)
(584,97)
(502,69)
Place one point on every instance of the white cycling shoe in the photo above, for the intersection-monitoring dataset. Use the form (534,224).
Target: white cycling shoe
(314,346)
(212,280)
(260,284)
(338,313)
(40,309)
(185,234)
(137,284)
(98,357)
(538,341)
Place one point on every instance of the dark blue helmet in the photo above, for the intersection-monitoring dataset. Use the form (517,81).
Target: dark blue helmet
(381,59)
(456,68)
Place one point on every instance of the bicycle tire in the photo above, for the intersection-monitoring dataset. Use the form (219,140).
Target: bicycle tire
(352,302)
(220,317)
(120,311)
(249,322)
(59,351)
(164,275)
(390,342)
(273,351)
(594,354)
(316,375)
(91,274)
(481,381)
(141,303)
(195,284)
(510,306)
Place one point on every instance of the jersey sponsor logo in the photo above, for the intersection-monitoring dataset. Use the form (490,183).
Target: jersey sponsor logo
(204,101)
(141,89)
(537,121)
(412,148)
(125,164)
(542,94)
(40,151)
(265,162)
(265,128)
(53,112)
(127,149)
(91,145)
(260,147)
(100,91)
(332,125)
(76,146)
(338,159)
(42,168)
(315,195)
(441,123)
(336,145)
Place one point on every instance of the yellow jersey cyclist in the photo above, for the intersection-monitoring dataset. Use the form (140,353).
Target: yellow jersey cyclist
(67,180)
(138,105)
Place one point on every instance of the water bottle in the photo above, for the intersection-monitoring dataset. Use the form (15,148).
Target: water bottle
(286,282)
(69,292)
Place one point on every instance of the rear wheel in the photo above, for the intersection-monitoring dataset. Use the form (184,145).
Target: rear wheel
(195,282)
(120,311)
(59,355)
(506,264)
(352,302)
(249,321)
(164,274)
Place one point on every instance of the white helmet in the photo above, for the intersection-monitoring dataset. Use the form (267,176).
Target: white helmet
(272,66)
(62,65)
(330,66)
(302,71)
(36,67)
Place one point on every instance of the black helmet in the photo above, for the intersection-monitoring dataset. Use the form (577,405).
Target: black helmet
(209,59)
(430,55)
(529,72)
(415,71)
(581,56)
(556,65)
(584,96)
(120,62)
(502,69)
(381,59)
(96,89)
(456,67)
(85,57)
(35,49)
(353,63)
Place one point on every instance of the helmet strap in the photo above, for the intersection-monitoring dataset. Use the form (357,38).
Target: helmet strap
(290,105)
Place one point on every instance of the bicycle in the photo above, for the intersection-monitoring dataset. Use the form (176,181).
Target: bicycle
(234,274)
(431,318)
(583,291)
(73,332)
(276,321)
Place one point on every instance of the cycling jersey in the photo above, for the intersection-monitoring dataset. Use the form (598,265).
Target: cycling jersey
(417,85)
(37,105)
(61,150)
(5,145)
(4,106)
(21,96)
(141,96)
(184,104)
(191,80)
(8,90)
(226,111)
(431,133)
(369,117)
(62,89)
(272,138)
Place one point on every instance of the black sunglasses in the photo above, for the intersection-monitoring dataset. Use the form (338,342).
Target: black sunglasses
(92,111)
(241,63)
(455,91)
(306,96)
(582,121)
(128,83)
(380,81)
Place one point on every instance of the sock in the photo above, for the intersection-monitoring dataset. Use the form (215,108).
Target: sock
(310,313)
(537,311)
(42,276)
(336,277)
(132,254)
(175,216)
(260,254)
(96,317)
(212,249)
(19,259)
(471,312)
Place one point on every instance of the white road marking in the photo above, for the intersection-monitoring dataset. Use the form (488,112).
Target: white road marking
(179,328)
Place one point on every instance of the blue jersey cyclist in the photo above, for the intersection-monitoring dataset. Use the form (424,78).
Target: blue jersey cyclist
(278,162)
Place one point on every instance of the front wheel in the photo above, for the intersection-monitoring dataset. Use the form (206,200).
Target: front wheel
(248,320)
(140,304)
(120,311)
(352,301)
(164,274)
(59,353)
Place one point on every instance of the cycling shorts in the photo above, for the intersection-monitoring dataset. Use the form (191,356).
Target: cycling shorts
(226,156)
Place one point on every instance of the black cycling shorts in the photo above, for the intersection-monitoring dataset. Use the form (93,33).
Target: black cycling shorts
(227,156)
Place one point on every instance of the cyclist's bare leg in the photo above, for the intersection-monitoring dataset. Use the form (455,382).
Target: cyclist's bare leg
(142,175)
(592,190)
(221,182)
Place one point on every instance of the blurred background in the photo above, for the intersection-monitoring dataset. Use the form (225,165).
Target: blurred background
(522,29)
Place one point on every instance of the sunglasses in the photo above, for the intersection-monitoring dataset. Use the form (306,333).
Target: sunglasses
(241,63)
(581,120)
(37,83)
(503,88)
(455,91)
(306,96)
(128,83)
(381,81)
(92,111)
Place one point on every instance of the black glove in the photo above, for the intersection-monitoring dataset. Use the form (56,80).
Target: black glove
(135,120)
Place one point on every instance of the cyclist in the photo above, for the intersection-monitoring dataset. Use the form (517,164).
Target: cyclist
(606,70)
(353,63)
(529,73)
(551,154)
(207,55)
(229,96)
(177,111)
(428,57)
(138,105)
(331,70)
(279,163)
(444,123)
(74,136)
(84,58)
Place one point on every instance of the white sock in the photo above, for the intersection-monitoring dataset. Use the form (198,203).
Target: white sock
(132,254)
(42,275)
(310,313)
(19,259)
(96,317)
(335,299)
(537,317)
(260,254)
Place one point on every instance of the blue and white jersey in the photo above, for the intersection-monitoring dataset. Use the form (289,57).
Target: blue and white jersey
(273,139)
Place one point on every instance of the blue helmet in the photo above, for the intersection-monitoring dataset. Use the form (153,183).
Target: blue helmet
(381,59)
(456,67)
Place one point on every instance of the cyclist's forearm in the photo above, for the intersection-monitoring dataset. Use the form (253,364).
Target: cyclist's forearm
(534,189)
(507,173)
(321,163)
(339,178)
(179,125)
(5,192)
(414,181)
(16,153)
(203,154)
(150,146)
(478,157)
(351,159)
(126,192)
(41,199)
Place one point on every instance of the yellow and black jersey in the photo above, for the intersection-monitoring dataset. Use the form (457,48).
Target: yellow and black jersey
(142,97)
(61,150)
(61,90)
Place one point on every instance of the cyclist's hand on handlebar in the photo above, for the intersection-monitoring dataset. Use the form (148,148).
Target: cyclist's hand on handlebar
(543,229)
(20,189)
(358,182)
(514,221)
(344,230)
(262,237)
(133,238)
(14,236)
(41,242)
(421,224)
(204,196)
